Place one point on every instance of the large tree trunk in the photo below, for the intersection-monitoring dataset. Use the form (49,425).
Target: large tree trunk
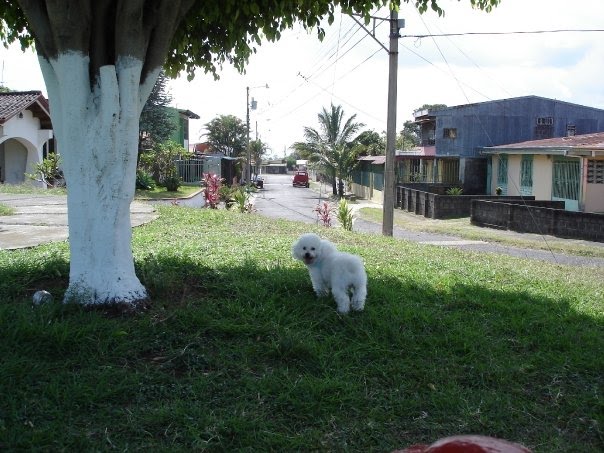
(100,60)
(97,134)
(340,188)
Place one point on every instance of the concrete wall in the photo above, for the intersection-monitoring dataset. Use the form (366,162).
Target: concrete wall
(514,175)
(594,198)
(593,194)
(542,177)
(539,217)
(439,206)
(367,193)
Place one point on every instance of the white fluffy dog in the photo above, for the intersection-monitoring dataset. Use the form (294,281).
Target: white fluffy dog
(343,273)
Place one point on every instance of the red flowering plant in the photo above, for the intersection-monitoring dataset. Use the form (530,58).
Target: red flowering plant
(324,211)
(212,188)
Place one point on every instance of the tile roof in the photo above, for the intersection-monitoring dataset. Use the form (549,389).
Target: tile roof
(13,102)
(584,141)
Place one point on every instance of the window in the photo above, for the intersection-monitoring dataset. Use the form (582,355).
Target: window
(566,177)
(545,121)
(450,171)
(571,130)
(595,171)
(449,132)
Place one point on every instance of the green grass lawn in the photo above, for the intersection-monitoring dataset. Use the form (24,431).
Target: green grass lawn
(156,193)
(161,192)
(29,189)
(6,210)
(236,353)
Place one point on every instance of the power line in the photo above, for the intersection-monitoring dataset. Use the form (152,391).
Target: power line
(491,77)
(533,32)
(343,100)
(478,119)
(324,68)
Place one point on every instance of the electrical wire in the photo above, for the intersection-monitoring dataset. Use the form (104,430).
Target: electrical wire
(515,185)
(494,33)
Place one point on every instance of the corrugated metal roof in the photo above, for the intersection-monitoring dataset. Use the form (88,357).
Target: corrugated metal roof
(376,160)
(12,103)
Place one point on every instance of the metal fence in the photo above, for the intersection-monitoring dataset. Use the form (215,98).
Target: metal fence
(190,170)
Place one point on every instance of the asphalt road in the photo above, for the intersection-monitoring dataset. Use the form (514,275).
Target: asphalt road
(280,200)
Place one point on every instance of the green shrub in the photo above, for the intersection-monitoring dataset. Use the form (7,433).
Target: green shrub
(455,191)
(49,171)
(144,181)
(241,200)
(160,161)
(225,193)
(172,183)
(344,215)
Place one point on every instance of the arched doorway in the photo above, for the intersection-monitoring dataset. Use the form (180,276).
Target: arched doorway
(13,161)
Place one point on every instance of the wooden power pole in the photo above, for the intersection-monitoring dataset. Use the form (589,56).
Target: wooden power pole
(389,177)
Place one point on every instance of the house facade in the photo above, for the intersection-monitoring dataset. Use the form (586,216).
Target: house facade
(452,138)
(569,169)
(26,134)
(181,119)
(368,178)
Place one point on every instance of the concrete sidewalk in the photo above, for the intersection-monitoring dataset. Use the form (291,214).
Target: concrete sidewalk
(40,219)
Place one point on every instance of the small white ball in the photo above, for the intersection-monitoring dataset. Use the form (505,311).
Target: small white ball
(42,297)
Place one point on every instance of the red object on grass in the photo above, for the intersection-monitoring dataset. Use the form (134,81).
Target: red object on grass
(467,444)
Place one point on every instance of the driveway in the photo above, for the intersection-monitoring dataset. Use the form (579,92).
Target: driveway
(40,219)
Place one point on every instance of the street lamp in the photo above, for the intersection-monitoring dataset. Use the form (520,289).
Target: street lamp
(248,169)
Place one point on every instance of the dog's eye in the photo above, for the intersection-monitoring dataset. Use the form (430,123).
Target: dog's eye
(303,248)
(312,248)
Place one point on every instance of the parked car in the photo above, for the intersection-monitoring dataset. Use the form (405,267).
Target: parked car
(258,181)
(300,179)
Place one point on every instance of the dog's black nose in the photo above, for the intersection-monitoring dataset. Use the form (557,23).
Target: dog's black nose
(307,255)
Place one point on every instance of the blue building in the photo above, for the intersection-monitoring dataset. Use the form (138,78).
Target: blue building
(452,138)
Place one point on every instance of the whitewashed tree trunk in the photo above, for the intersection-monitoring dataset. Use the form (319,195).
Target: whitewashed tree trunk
(97,135)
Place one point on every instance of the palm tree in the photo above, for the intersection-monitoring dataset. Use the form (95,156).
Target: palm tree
(258,150)
(332,147)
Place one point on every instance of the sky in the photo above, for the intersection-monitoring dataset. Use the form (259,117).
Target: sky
(349,68)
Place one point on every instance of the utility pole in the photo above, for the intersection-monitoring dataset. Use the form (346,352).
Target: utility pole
(388,204)
(247,174)
(248,167)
